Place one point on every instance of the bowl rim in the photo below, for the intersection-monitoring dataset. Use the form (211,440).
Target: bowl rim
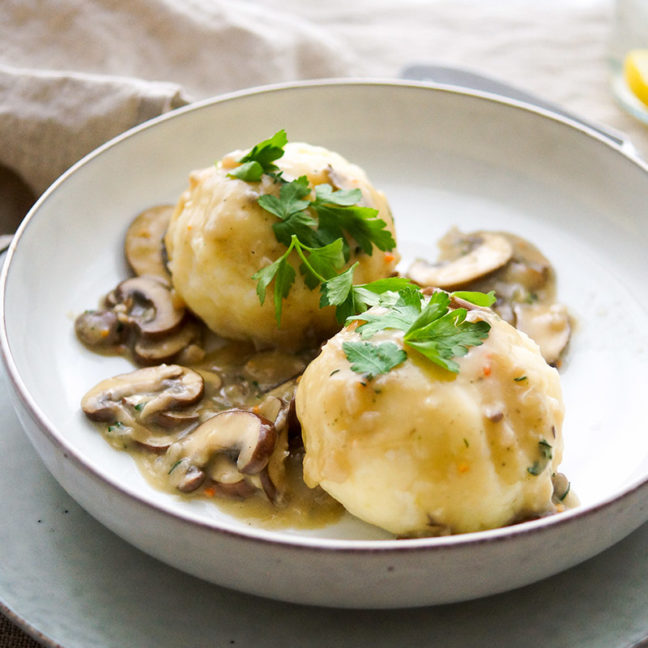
(279,537)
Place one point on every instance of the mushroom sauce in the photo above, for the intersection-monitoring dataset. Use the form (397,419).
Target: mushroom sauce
(210,418)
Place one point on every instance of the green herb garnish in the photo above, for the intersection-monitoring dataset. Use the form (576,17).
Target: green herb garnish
(339,214)
(477,298)
(435,331)
(520,378)
(370,359)
(317,264)
(175,465)
(545,456)
(320,230)
(321,242)
(260,159)
(564,495)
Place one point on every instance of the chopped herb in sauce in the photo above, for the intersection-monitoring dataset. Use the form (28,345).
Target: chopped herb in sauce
(545,457)
(175,465)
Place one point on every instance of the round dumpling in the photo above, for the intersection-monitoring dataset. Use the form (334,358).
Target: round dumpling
(420,450)
(219,237)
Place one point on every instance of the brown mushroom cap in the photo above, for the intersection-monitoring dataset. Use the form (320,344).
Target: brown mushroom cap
(147,303)
(143,246)
(140,398)
(163,349)
(272,368)
(229,481)
(489,252)
(548,325)
(98,328)
(240,434)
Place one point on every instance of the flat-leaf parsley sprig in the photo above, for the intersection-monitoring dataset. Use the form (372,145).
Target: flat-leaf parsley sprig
(431,328)
(318,223)
(260,159)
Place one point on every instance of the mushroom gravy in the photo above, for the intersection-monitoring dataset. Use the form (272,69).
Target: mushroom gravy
(210,418)
(523,279)
(224,428)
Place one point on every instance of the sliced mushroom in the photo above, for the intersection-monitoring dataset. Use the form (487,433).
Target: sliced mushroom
(172,419)
(270,369)
(163,349)
(528,273)
(99,328)
(229,481)
(234,450)
(147,304)
(241,434)
(276,404)
(487,253)
(337,179)
(185,476)
(273,477)
(144,243)
(561,487)
(138,399)
(548,325)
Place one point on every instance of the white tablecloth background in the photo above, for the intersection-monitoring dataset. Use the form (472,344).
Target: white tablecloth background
(74,73)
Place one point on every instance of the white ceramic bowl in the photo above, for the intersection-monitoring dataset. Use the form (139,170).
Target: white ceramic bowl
(444,157)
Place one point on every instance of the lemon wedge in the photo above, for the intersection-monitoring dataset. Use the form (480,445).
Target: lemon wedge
(635,72)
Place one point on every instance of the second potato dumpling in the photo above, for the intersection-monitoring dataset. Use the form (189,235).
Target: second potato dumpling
(422,451)
(220,236)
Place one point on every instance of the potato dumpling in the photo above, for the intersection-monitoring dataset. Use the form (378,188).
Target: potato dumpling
(420,450)
(219,237)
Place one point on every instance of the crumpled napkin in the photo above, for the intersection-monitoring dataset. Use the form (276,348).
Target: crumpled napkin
(74,73)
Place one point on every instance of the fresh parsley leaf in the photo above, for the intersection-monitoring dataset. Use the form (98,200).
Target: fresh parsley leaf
(317,265)
(290,200)
(265,276)
(400,316)
(436,307)
(337,291)
(322,263)
(284,279)
(325,194)
(290,208)
(260,159)
(249,171)
(372,293)
(447,337)
(359,222)
(283,275)
(318,230)
(298,224)
(431,328)
(350,299)
(373,359)
(337,212)
(477,298)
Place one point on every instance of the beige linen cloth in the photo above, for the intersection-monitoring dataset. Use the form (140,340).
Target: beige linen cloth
(74,73)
